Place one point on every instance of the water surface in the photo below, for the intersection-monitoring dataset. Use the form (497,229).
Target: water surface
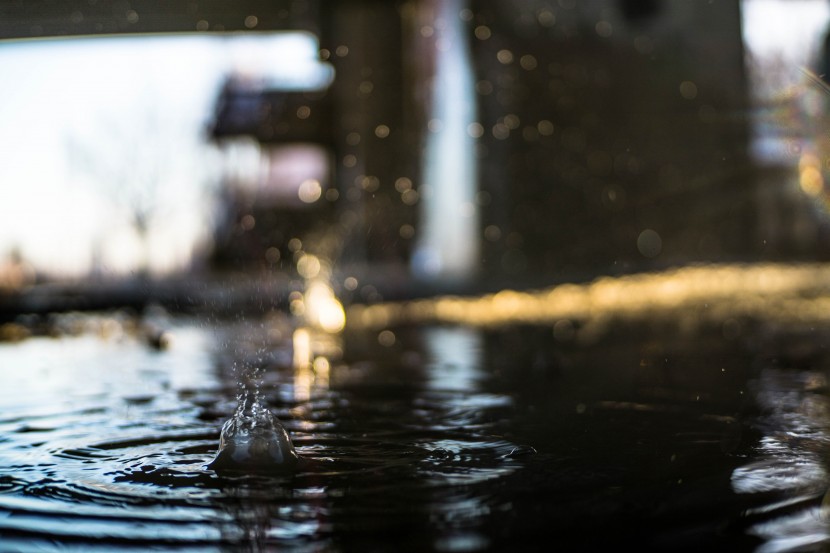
(419,438)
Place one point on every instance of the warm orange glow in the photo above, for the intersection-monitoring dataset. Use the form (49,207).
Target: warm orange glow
(301,341)
(698,293)
(810,178)
(322,309)
(313,352)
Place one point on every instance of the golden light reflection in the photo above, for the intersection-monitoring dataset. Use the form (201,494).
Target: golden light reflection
(809,175)
(303,379)
(303,376)
(322,309)
(301,340)
(695,294)
(321,317)
(308,266)
(311,360)
(322,369)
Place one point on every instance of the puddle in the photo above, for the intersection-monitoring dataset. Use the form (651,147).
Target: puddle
(436,438)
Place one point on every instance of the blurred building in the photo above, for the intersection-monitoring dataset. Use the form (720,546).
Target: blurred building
(608,136)
(612,136)
(277,185)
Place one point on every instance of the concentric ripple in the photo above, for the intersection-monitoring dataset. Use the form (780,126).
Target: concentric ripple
(106,443)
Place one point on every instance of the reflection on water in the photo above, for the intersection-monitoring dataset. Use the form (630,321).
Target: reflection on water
(115,437)
(436,438)
(790,462)
(454,357)
(690,295)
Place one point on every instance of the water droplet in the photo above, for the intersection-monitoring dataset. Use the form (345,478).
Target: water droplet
(386,338)
(546,18)
(688,90)
(365,88)
(501,131)
(308,266)
(369,183)
(295,244)
(485,88)
(272,255)
(402,184)
(545,127)
(475,130)
(528,62)
(492,233)
(604,29)
(248,222)
(649,243)
(410,197)
(310,191)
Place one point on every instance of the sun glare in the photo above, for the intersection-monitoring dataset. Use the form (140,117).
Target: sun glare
(106,166)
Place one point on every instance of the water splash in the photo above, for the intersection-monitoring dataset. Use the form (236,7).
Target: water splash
(253,439)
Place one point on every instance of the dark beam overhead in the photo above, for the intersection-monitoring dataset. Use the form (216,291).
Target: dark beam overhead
(56,18)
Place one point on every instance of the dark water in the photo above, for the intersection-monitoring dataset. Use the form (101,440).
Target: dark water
(439,438)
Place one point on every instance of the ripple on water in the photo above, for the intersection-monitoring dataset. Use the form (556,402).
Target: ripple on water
(789,469)
(130,467)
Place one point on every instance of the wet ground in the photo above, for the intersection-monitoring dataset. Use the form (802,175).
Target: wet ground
(417,437)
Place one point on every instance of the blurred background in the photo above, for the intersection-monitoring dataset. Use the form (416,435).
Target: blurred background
(413,146)
(621,206)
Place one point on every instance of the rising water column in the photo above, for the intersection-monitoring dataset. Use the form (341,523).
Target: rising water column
(447,247)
